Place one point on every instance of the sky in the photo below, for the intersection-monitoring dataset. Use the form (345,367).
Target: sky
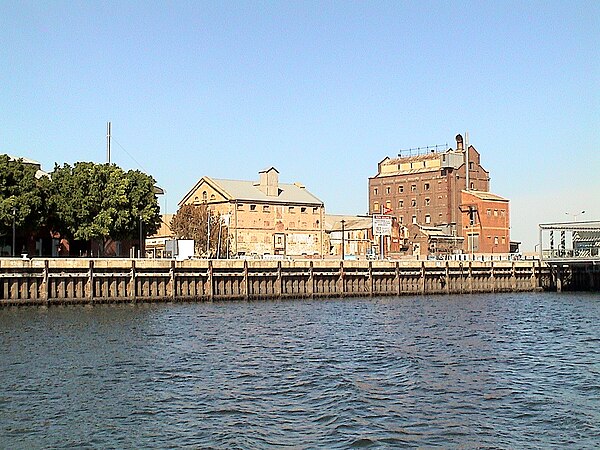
(321,90)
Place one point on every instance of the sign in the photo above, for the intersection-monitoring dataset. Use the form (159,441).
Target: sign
(382,225)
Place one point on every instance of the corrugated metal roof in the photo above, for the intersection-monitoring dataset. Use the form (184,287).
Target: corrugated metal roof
(249,191)
(483,195)
(334,222)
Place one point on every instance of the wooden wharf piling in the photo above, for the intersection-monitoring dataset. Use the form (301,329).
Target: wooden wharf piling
(92,281)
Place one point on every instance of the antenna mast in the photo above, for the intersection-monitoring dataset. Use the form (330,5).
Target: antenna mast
(108,126)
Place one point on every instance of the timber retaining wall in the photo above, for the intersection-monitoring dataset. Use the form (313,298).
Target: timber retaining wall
(59,281)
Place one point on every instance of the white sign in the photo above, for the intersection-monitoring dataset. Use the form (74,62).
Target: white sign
(382,225)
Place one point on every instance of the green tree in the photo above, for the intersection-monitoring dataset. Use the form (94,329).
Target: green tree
(23,193)
(101,201)
(191,222)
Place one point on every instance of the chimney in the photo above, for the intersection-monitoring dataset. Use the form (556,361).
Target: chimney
(269,181)
(459,143)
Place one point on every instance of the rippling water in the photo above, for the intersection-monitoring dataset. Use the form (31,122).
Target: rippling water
(504,371)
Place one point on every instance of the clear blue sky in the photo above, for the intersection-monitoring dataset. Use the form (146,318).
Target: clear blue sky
(321,90)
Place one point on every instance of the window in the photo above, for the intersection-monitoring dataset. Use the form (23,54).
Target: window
(443,172)
(204,196)
(426,186)
(413,202)
(488,212)
(303,210)
(424,163)
(472,186)
(315,210)
(376,207)
(495,213)
(401,219)
(291,210)
(413,187)
(470,165)
(495,240)
(212,197)
(388,204)
(252,207)
(388,190)
(240,206)
(400,188)
(502,213)
(427,201)
(400,203)
(427,218)
(375,191)
(266,208)
(503,239)
(414,219)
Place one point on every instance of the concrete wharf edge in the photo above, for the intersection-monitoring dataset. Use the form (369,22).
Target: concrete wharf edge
(98,281)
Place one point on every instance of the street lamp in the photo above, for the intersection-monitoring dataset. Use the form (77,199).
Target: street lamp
(343,232)
(141,237)
(14,211)
(575,215)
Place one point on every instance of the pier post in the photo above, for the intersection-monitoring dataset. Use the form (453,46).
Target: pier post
(470,275)
(447,277)
(423,277)
(246,282)
(311,281)
(172,288)
(370,279)
(340,282)
(210,282)
(397,279)
(45,289)
(513,277)
(492,278)
(534,280)
(131,289)
(90,282)
(278,282)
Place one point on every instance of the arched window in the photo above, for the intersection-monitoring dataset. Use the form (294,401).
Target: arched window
(204,196)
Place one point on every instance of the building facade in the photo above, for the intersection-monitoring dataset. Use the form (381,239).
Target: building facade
(265,217)
(426,189)
(485,222)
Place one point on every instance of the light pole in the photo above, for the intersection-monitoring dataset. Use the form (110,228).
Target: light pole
(343,232)
(575,215)
(14,211)
(141,237)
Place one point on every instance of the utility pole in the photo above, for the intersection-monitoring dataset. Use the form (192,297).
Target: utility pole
(343,240)
(14,211)
(468,186)
(141,238)
(108,127)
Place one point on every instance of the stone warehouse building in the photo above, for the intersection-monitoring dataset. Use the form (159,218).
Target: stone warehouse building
(266,217)
(443,190)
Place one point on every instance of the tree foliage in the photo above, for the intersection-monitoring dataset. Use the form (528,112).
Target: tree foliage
(101,201)
(191,222)
(21,190)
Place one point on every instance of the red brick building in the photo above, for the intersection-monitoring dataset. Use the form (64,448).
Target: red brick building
(485,222)
(427,189)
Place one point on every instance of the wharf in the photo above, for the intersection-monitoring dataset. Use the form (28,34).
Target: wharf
(92,281)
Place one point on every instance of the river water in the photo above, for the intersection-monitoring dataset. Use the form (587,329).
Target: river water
(502,371)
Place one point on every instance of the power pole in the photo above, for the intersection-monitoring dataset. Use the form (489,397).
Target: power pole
(108,127)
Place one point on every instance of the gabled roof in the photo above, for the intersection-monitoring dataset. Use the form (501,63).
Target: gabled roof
(334,222)
(39,172)
(249,191)
(483,195)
